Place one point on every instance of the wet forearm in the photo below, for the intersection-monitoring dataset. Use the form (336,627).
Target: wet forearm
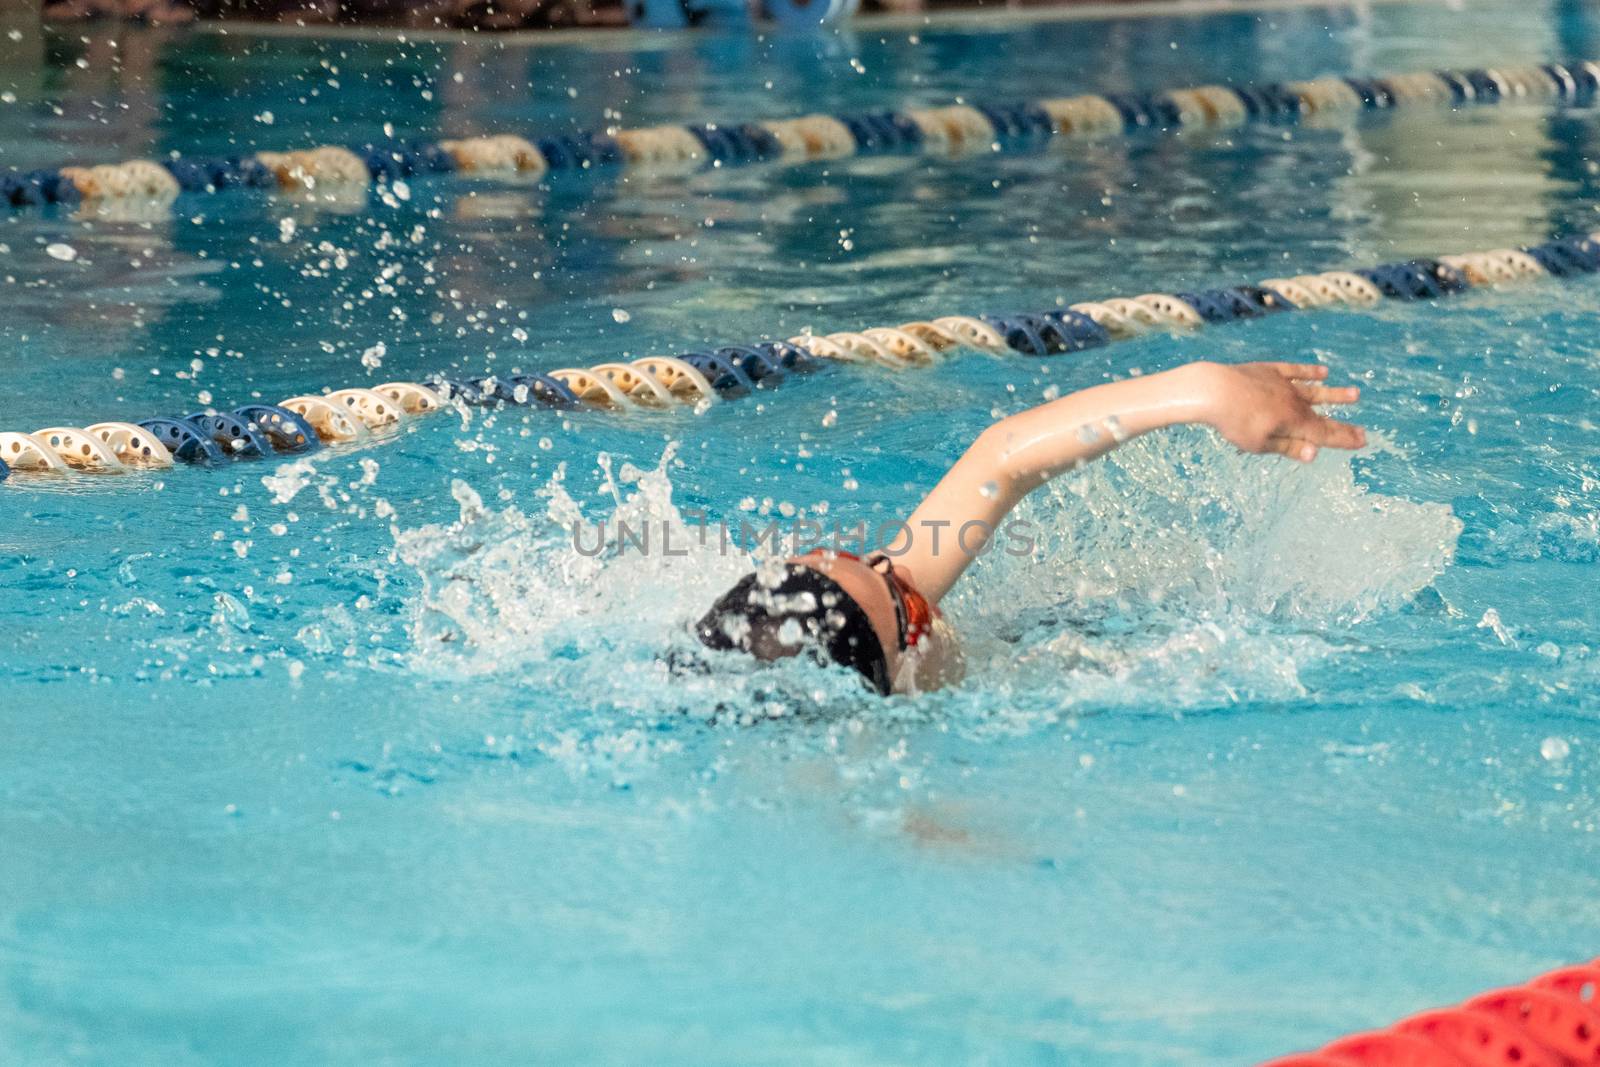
(1020,453)
(1028,449)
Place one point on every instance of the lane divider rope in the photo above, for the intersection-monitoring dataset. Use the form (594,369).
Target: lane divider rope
(306,422)
(976,127)
(1551,1021)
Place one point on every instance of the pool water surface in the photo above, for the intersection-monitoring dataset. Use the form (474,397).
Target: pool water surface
(359,755)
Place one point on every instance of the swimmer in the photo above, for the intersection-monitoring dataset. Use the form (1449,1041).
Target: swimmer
(879,615)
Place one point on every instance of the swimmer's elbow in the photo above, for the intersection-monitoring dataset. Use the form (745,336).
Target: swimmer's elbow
(988,453)
(995,462)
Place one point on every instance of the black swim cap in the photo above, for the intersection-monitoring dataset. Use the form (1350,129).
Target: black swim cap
(804,610)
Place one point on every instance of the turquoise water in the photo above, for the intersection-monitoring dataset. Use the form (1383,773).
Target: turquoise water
(362,760)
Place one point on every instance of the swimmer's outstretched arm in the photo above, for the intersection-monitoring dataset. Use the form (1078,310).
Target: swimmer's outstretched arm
(1259,407)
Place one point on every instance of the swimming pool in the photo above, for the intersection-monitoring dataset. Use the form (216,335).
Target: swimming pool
(366,760)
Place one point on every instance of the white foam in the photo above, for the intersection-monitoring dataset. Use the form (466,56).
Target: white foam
(1176,572)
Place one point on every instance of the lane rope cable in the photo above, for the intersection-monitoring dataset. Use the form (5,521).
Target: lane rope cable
(330,170)
(307,422)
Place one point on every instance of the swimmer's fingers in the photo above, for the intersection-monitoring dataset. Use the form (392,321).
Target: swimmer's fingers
(1305,439)
(1328,394)
(1301,372)
(1329,433)
(1293,447)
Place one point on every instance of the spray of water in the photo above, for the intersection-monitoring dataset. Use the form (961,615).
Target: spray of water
(1175,573)
(591,616)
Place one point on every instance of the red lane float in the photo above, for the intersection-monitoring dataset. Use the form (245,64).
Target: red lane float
(1561,1024)
(1551,1021)
(1390,1048)
(1581,983)
(1479,1039)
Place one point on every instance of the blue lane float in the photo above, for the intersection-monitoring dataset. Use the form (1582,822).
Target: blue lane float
(726,377)
(695,379)
(237,438)
(983,126)
(187,442)
(287,431)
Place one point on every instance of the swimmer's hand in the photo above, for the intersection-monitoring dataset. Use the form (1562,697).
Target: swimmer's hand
(1268,407)
(1259,407)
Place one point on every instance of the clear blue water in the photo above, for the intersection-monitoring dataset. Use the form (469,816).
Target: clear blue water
(362,761)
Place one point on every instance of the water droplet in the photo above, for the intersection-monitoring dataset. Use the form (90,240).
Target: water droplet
(1088,433)
(1491,621)
(1554,749)
(989,490)
(228,611)
(64,252)
(620,315)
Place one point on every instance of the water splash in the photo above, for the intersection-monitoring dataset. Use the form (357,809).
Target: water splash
(543,600)
(1176,572)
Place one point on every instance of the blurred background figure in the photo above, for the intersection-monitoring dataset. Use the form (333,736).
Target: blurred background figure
(465,14)
(149,11)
